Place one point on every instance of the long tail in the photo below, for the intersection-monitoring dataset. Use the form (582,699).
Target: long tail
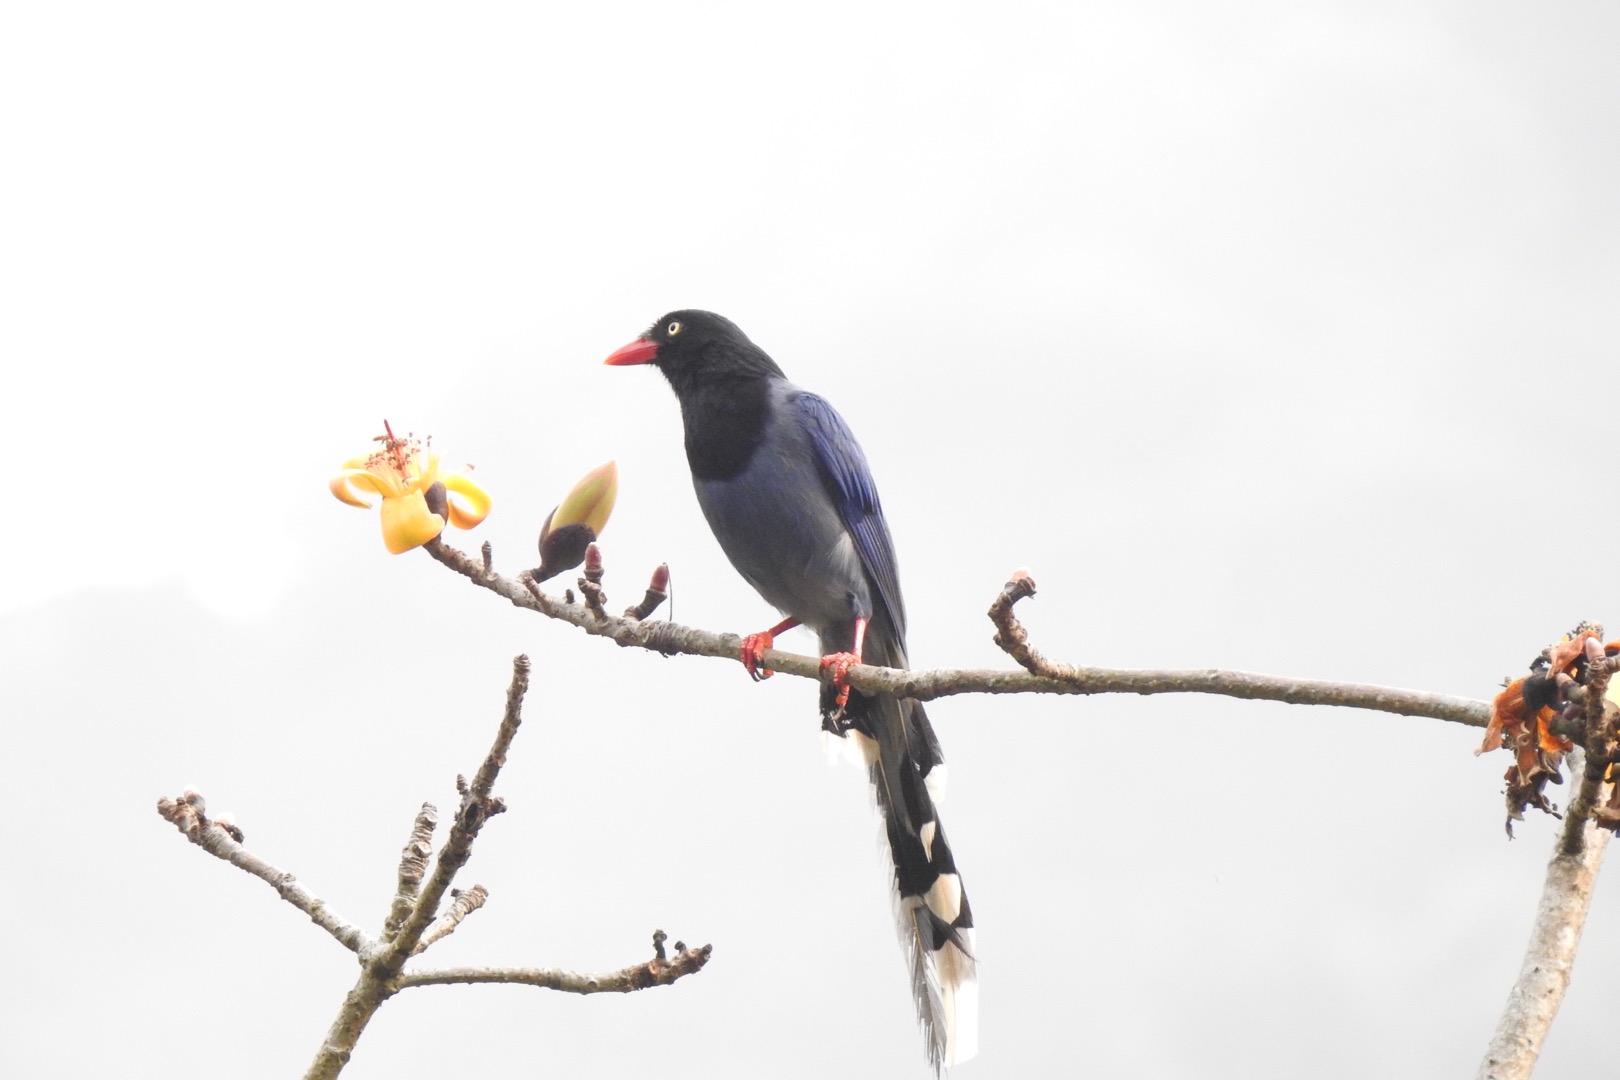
(934,920)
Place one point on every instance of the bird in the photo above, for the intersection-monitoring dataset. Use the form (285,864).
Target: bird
(789,496)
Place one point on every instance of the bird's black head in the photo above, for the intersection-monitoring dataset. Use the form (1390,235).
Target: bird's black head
(697,349)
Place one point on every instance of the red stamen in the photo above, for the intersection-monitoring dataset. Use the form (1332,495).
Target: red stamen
(396,450)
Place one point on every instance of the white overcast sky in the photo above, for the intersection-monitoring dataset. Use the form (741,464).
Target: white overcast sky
(1271,336)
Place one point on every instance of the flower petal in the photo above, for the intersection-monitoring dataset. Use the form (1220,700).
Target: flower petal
(344,491)
(407,522)
(472,503)
(360,480)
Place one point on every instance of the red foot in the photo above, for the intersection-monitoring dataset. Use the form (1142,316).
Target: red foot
(753,648)
(839,662)
(752,654)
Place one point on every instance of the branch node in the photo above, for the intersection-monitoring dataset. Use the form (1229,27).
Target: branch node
(595,598)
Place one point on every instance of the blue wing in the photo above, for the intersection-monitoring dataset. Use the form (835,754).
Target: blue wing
(849,483)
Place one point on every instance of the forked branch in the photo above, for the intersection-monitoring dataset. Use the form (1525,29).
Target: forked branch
(414,920)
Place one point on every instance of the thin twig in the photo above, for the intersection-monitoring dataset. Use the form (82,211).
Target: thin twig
(463,902)
(187,814)
(655,972)
(671,638)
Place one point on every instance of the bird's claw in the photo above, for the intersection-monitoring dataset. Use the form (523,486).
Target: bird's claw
(839,663)
(752,654)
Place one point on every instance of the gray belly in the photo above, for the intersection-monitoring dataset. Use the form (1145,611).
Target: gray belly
(778,526)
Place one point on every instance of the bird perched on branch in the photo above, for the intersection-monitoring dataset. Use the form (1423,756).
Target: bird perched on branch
(787,491)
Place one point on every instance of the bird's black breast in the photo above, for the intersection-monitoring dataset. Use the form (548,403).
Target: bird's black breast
(724,427)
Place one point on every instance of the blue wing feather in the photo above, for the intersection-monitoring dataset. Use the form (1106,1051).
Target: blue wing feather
(849,483)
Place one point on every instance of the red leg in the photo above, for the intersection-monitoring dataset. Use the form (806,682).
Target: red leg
(839,662)
(754,646)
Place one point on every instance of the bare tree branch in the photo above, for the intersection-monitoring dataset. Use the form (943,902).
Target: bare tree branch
(658,971)
(224,841)
(671,638)
(381,965)
(1014,640)
(1566,895)
(411,925)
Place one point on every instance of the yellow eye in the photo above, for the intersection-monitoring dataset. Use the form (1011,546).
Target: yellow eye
(672,329)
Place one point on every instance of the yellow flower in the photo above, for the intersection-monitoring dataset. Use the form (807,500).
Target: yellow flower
(577,521)
(416,492)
